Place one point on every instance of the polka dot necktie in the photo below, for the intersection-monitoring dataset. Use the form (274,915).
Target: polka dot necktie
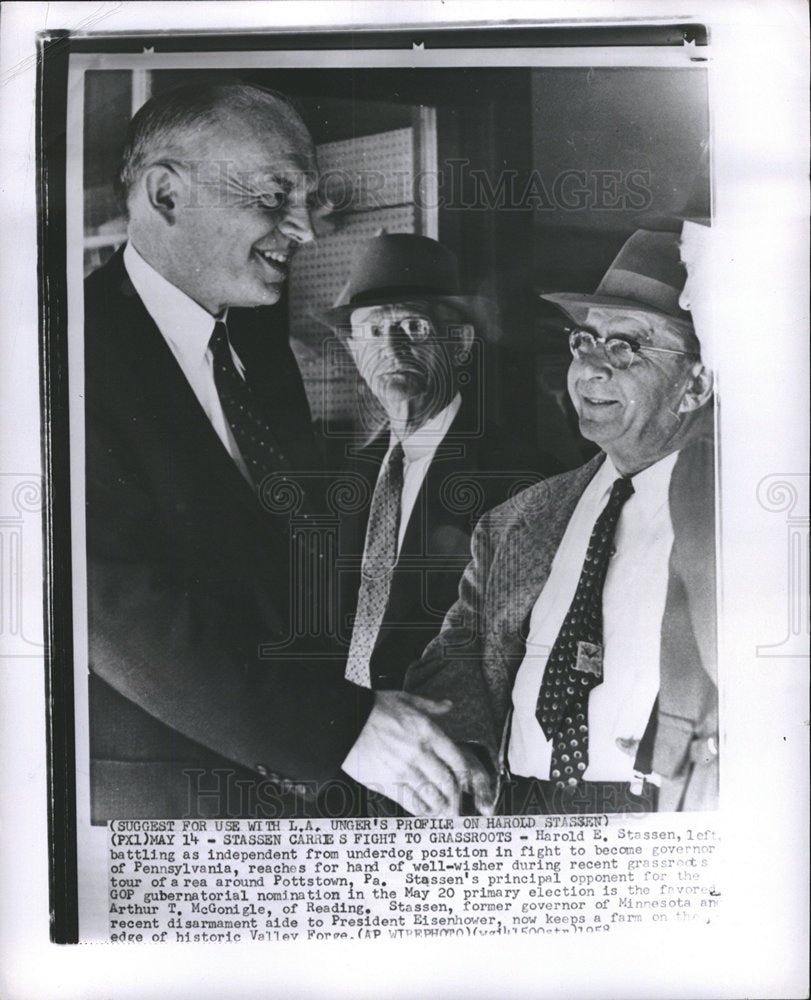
(250,427)
(379,557)
(575,664)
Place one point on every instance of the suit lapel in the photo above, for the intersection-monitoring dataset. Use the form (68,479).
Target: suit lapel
(274,376)
(166,392)
(432,531)
(525,556)
(433,509)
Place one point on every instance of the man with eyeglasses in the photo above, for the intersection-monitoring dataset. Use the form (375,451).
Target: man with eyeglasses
(432,460)
(580,655)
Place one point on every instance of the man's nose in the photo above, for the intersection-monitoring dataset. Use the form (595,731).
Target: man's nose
(396,339)
(592,364)
(297,225)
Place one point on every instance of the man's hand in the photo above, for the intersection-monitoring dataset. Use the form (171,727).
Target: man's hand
(402,753)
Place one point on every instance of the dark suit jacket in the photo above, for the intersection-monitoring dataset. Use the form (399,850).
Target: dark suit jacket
(475,467)
(475,659)
(188,576)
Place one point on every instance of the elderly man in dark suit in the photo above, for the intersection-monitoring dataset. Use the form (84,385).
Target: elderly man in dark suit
(194,404)
(580,655)
(418,344)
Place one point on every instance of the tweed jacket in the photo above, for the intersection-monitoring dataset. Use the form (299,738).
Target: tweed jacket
(475,658)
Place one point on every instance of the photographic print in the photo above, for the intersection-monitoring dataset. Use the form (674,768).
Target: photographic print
(392,476)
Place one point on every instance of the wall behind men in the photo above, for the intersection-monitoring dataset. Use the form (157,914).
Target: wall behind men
(611,145)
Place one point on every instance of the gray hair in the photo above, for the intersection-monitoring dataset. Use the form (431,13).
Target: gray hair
(169,122)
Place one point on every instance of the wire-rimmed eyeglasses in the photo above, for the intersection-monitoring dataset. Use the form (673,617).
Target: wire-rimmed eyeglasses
(619,351)
(416,328)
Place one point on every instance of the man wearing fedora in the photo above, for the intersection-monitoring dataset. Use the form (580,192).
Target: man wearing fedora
(580,657)
(433,463)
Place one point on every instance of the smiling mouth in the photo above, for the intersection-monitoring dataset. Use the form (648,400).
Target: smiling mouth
(592,401)
(277,261)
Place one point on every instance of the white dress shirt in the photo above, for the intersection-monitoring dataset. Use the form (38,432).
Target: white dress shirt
(186,327)
(633,605)
(419,448)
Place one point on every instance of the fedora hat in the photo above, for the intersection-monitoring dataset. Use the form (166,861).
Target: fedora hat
(646,276)
(401,267)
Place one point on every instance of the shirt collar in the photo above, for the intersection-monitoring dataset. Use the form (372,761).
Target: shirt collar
(425,439)
(651,485)
(184,323)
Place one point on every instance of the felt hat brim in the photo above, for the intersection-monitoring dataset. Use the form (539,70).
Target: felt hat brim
(576,307)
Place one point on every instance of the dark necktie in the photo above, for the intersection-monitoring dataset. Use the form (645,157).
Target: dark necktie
(379,557)
(575,664)
(242,410)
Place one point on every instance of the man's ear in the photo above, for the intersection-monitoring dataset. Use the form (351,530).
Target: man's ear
(698,390)
(463,335)
(163,190)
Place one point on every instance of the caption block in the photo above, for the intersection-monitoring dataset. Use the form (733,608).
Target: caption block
(280,880)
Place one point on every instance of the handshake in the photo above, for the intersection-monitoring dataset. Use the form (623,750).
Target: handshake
(402,753)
